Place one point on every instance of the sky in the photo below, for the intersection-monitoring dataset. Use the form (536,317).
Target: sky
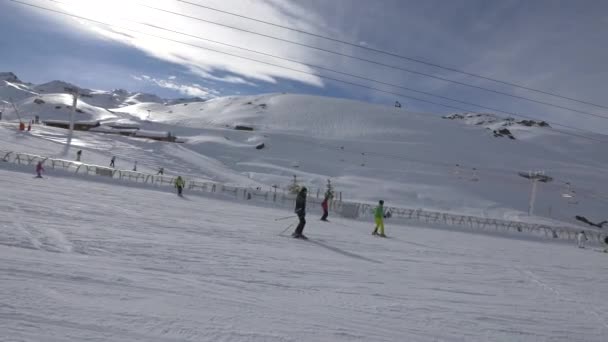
(552,45)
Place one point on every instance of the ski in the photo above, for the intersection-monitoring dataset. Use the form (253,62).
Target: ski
(300,236)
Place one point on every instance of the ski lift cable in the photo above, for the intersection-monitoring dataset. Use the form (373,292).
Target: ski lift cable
(300,71)
(388,53)
(395,67)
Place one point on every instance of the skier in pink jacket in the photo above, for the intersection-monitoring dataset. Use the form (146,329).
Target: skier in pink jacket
(39,170)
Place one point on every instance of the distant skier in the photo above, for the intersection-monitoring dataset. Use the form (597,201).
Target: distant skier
(29,125)
(39,170)
(301,212)
(135,166)
(78,155)
(325,206)
(581,238)
(379,216)
(112,161)
(161,171)
(179,185)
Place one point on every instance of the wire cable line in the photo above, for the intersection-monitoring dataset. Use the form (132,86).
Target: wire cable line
(334,71)
(369,60)
(392,54)
(297,70)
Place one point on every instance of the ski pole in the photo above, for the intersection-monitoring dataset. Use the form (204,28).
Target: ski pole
(284,230)
(285,218)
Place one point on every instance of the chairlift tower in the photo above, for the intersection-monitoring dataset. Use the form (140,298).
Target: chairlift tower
(535,177)
(74,93)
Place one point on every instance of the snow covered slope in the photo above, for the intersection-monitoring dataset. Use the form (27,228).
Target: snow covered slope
(370,152)
(83,260)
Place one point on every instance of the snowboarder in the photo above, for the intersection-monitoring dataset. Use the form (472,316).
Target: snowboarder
(179,184)
(379,216)
(581,237)
(78,155)
(112,161)
(161,171)
(324,205)
(135,166)
(301,212)
(39,170)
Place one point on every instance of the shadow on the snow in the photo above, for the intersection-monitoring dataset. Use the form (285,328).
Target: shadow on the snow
(343,252)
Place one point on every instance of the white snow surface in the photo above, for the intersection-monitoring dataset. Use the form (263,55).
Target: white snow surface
(83,260)
(86,260)
(370,152)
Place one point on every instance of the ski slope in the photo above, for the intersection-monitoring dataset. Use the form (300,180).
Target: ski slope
(370,152)
(85,260)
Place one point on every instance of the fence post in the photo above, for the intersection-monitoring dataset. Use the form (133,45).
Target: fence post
(5,158)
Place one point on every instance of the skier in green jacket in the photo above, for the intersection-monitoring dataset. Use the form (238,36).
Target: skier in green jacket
(379,218)
(179,184)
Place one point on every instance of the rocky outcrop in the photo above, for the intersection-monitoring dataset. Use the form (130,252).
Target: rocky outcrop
(9,77)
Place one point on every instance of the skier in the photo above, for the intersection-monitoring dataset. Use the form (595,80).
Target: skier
(324,205)
(29,125)
(112,161)
(581,237)
(379,218)
(161,171)
(301,212)
(39,170)
(135,166)
(78,155)
(179,184)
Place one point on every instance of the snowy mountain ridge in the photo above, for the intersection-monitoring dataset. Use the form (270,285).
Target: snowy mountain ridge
(104,99)
(370,152)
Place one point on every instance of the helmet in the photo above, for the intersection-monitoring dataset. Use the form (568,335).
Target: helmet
(381,202)
(303,189)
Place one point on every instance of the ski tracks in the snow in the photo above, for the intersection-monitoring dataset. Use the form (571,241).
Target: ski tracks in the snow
(564,296)
(33,236)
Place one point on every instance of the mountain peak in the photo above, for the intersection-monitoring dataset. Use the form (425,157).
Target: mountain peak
(9,77)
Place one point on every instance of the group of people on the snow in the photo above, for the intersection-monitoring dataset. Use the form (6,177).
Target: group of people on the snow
(161,170)
(300,209)
(379,214)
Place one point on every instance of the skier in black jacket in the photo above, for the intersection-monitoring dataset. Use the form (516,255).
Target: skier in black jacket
(301,212)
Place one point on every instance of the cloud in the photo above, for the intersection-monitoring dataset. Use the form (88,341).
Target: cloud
(517,41)
(143,28)
(192,89)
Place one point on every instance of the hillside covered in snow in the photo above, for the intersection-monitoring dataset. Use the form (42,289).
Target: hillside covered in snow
(84,260)
(88,258)
(369,152)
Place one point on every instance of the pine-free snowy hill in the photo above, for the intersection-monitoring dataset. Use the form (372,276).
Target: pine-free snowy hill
(370,152)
